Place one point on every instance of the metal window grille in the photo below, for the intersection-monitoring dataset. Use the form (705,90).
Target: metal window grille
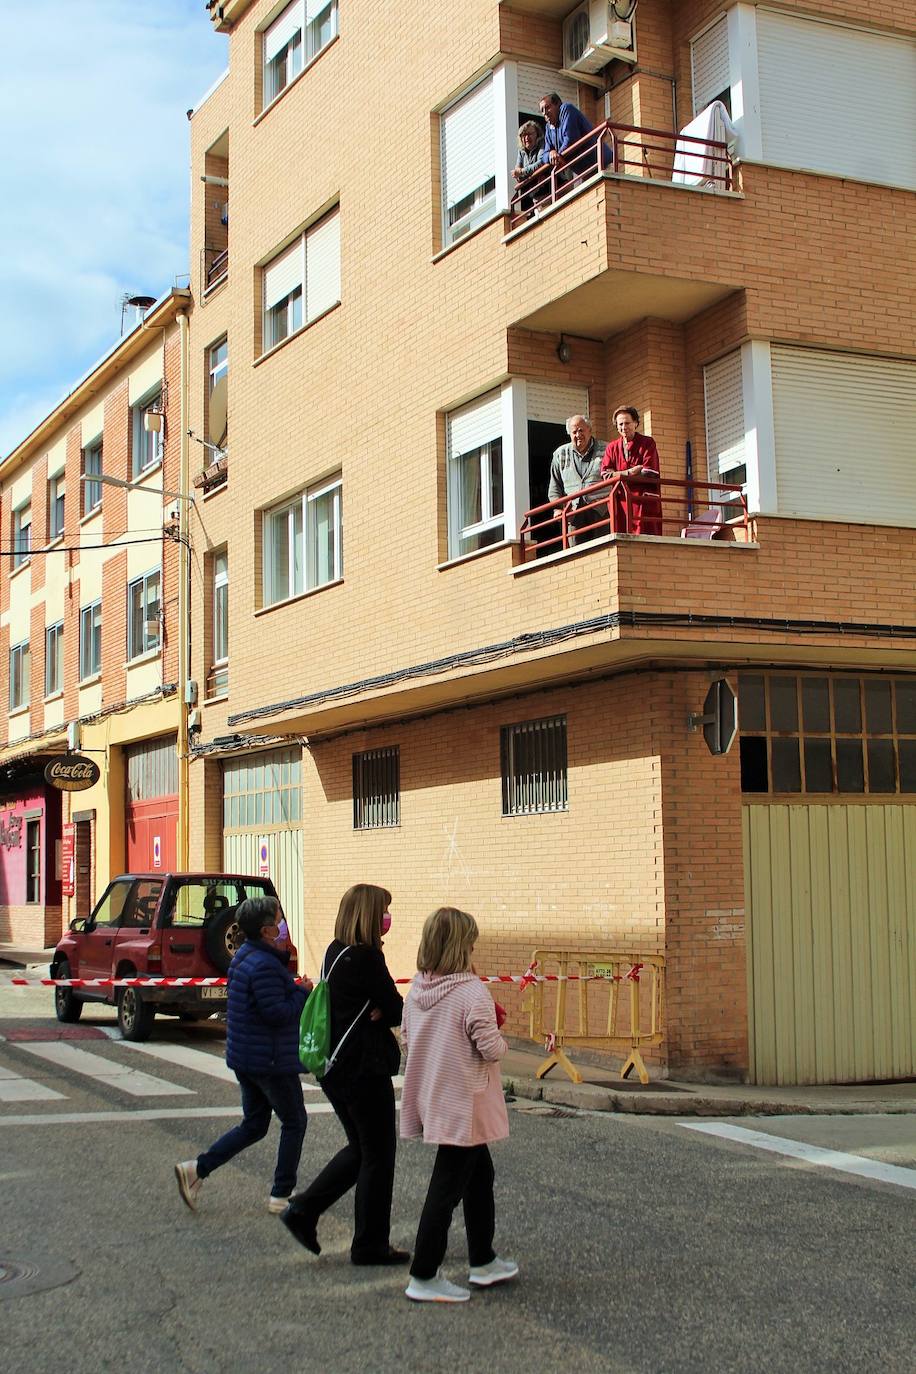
(534,767)
(377,788)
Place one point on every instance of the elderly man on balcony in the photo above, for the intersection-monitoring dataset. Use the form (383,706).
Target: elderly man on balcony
(565,125)
(576,465)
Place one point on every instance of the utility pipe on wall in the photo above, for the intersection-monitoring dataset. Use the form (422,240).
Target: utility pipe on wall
(184,604)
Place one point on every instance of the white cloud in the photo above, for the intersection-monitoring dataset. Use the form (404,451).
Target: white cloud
(93,101)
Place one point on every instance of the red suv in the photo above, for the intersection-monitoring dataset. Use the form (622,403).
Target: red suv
(171,925)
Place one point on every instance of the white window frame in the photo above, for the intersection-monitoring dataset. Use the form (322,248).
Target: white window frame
(90,640)
(296,310)
(301,559)
(22,535)
(148,444)
(515,480)
(20,676)
(54,659)
(220,367)
(147,642)
(57,494)
(300,27)
(92,490)
(219,669)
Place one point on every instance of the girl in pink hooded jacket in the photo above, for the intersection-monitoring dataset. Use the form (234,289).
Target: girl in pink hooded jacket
(452,1097)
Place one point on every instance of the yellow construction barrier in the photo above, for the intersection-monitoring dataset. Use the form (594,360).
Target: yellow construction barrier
(600,983)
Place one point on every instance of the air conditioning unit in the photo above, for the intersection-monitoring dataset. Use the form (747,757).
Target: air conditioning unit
(593,36)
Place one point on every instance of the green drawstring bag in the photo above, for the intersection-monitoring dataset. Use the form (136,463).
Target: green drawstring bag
(315,1026)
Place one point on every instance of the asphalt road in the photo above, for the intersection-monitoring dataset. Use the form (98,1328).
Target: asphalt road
(644,1245)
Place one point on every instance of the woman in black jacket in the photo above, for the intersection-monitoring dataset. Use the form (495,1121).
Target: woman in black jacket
(358,1086)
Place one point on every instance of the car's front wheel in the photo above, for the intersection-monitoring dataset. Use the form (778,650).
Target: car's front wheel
(67,1007)
(135,1017)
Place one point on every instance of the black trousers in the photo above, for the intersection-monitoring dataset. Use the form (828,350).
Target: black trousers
(460,1174)
(365,1109)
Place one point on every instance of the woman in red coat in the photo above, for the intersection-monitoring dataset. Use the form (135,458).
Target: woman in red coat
(637,507)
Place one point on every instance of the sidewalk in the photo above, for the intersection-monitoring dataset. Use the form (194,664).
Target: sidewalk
(17,957)
(604,1091)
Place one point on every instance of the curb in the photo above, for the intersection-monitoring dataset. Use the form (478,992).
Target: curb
(590,1097)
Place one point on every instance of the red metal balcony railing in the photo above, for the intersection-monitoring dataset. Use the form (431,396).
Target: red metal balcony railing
(631,151)
(673,506)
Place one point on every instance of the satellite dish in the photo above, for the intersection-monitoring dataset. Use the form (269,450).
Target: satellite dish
(218,413)
(624,9)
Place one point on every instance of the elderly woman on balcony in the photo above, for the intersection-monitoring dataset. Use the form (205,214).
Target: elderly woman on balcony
(636,502)
(528,162)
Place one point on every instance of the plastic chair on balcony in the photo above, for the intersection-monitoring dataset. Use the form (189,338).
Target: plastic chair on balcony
(709,524)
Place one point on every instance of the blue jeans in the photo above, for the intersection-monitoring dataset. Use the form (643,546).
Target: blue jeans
(261,1094)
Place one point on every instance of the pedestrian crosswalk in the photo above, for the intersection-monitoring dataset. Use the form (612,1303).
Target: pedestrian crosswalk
(133,1071)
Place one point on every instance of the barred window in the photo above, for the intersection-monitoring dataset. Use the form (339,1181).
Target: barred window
(534,770)
(377,788)
(814,733)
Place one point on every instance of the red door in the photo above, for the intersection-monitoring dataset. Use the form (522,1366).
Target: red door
(152,829)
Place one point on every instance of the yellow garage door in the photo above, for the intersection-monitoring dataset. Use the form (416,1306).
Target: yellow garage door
(831,934)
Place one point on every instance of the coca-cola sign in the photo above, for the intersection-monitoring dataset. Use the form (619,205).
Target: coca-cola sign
(72,773)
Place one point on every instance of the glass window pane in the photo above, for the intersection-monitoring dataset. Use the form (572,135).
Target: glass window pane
(751,702)
(278,556)
(906,706)
(818,766)
(881,771)
(850,771)
(497,502)
(878,707)
(470,510)
(815,705)
(786,765)
(783,705)
(754,771)
(847,711)
(906,754)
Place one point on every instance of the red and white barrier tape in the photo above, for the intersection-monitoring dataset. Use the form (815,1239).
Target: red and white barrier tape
(524,980)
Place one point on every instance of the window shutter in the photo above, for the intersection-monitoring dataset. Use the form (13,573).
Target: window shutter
(826,465)
(282,30)
(709,65)
(554,402)
(837,100)
(322,265)
(535,82)
(283,274)
(725,448)
(468,143)
(474,425)
(313,8)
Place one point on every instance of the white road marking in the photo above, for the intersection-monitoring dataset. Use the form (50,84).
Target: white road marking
(811,1154)
(14,1088)
(198,1060)
(149,1114)
(79,1061)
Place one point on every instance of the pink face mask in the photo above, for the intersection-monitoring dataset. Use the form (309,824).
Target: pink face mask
(386,923)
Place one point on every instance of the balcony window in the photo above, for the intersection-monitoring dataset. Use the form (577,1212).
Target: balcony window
(303,281)
(148,424)
(143,607)
(54,659)
(20,674)
(303,542)
(22,535)
(218,681)
(294,40)
(92,468)
(56,502)
(476,495)
(534,767)
(377,788)
(468,152)
(90,640)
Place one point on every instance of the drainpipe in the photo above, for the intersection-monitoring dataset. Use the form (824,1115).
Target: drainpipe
(184,604)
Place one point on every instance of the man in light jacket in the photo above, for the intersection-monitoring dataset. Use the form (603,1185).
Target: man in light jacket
(576,465)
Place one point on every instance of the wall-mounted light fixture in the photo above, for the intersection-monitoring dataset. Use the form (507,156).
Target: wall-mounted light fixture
(564,352)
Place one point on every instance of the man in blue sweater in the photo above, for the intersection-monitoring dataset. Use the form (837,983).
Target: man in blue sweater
(565,125)
(262,1046)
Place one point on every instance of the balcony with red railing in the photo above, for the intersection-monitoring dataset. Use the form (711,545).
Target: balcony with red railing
(625,150)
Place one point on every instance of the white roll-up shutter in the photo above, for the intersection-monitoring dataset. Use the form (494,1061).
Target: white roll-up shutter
(725,431)
(475,424)
(554,402)
(283,274)
(322,265)
(468,143)
(837,100)
(285,27)
(828,462)
(536,82)
(709,65)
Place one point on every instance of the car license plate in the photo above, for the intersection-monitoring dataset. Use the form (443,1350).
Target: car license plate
(213,994)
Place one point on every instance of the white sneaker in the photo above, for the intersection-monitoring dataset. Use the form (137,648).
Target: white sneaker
(497,1271)
(276,1205)
(436,1290)
(189,1185)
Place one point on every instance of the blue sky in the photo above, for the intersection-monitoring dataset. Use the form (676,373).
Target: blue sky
(93,105)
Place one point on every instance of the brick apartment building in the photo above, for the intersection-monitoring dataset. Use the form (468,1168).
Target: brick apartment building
(88,627)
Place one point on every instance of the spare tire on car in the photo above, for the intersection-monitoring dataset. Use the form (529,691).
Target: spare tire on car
(223,937)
